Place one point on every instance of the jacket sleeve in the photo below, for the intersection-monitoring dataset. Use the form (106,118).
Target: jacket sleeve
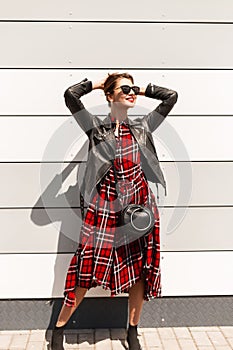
(168,98)
(72,99)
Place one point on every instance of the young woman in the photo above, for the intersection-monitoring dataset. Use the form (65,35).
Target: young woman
(125,144)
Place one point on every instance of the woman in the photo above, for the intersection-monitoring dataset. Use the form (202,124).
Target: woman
(124,144)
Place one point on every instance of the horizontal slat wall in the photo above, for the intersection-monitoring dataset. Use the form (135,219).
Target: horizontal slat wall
(45,49)
(40,143)
(41,92)
(178,138)
(55,185)
(199,273)
(149,10)
(36,276)
(207,274)
(63,45)
(51,230)
(201,92)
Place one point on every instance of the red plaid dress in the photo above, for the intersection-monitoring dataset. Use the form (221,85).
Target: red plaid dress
(101,259)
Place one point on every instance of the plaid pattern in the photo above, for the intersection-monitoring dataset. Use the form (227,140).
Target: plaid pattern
(103,257)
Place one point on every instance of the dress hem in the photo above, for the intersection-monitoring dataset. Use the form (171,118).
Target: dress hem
(98,283)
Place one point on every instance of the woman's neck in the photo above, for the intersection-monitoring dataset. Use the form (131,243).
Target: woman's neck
(119,113)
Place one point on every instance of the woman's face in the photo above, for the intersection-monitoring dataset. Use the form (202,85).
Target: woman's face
(126,100)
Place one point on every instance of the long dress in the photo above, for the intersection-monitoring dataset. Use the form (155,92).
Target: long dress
(100,259)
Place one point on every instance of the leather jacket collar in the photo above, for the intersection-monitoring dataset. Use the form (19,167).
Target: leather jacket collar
(135,125)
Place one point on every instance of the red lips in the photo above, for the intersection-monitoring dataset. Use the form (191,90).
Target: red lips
(130,99)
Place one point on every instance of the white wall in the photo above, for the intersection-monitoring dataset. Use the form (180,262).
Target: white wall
(48,46)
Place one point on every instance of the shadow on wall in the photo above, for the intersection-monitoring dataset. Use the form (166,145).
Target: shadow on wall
(63,208)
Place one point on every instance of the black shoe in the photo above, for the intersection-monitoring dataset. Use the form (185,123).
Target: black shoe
(132,338)
(57,338)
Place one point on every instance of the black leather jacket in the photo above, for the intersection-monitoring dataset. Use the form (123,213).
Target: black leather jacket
(102,142)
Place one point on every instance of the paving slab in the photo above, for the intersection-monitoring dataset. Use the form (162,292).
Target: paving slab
(227,331)
(167,338)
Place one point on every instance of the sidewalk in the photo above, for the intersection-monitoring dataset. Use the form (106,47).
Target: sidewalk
(183,338)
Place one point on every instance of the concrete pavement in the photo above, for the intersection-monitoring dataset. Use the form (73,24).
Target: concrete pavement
(176,338)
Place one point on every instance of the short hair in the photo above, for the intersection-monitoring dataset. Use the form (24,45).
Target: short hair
(111,81)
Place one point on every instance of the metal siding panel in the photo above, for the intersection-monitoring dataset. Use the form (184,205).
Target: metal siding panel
(36,184)
(40,230)
(60,139)
(196,229)
(41,139)
(195,139)
(192,46)
(57,230)
(39,184)
(37,276)
(35,44)
(35,314)
(40,92)
(210,183)
(151,10)
(197,273)
(205,273)
(185,312)
(41,314)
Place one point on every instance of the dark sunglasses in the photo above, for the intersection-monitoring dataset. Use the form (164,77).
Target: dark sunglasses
(126,89)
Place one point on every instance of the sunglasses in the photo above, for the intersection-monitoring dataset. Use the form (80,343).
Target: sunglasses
(126,89)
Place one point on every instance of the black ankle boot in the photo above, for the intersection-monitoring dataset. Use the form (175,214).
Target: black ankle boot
(57,338)
(132,338)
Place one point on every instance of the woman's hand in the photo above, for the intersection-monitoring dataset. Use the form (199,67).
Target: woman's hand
(142,91)
(99,84)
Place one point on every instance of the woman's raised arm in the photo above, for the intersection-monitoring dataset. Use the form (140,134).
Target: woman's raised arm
(168,98)
(72,99)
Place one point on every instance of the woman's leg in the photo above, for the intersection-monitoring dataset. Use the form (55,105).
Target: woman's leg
(136,294)
(63,318)
(67,311)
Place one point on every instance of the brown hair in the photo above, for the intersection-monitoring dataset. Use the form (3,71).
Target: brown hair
(111,81)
